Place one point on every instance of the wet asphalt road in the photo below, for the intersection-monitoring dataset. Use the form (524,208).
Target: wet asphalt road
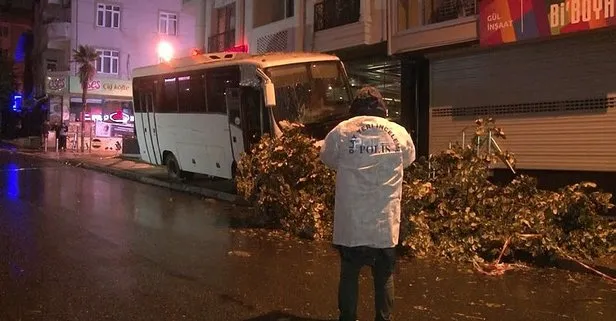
(81,245)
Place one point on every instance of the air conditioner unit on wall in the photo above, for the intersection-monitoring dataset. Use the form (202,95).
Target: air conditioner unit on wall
(280,41)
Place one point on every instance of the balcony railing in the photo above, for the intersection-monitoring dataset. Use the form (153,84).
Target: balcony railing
(436,11)
(221,41)
(334,13)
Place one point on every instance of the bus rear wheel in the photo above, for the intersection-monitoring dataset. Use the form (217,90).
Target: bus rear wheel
(173,168)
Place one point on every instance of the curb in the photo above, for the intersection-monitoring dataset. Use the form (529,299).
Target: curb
(175,186)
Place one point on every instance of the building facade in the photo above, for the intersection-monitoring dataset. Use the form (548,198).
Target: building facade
(440,65)
(15,42)
(126,34)
(542,71)
(355,30)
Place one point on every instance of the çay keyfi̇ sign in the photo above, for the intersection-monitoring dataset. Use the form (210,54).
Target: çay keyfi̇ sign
(505,21)
(110,87)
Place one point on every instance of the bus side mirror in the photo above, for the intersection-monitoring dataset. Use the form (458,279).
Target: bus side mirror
(270,95)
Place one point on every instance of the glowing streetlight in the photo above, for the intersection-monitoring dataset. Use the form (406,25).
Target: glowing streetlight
(165,51)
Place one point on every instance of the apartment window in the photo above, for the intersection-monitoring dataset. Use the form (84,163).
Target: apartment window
(270,11)
(224,35)
(289,8)
(52,64)
(409,14)
(108,16)
(168,23)
(108,62)
(335,13)
(225,18)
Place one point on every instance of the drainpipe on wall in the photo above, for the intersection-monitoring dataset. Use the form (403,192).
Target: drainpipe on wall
(200,28)
(300,31)
(129,72)
(242,23)
(75,23)
(388,16)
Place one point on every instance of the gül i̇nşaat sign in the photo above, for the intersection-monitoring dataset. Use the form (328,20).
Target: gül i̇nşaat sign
(506,21)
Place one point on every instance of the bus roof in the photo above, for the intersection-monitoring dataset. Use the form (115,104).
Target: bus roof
(221,59)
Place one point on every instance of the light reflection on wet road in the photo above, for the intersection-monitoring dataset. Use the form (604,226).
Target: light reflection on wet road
(81,245)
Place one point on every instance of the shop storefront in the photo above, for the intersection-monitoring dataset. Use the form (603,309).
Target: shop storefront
(371,66)
(109,116)
(545,72)
(383,74)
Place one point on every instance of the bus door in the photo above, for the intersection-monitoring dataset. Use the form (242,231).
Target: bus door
(141,126)
(149,129)
(236,135)
(255,117)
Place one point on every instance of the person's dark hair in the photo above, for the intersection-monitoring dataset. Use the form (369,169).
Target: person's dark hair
(368,101)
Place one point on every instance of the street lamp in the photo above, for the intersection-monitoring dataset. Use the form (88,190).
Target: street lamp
(165,51)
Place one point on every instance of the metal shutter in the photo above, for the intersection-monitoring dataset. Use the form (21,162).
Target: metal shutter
(556,100)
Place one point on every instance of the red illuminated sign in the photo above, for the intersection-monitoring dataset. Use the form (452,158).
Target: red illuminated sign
(115,117)
(239,48)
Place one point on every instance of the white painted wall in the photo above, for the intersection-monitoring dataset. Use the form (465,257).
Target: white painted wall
(137,37)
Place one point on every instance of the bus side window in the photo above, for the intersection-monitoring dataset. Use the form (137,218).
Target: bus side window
(198,86)
(170,96)
(192,93)
(184,94)
(136,95)
(217,81)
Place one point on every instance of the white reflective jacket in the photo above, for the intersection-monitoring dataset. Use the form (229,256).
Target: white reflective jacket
(369,155)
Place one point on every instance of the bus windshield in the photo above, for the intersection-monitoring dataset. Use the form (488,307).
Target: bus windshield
(310,92)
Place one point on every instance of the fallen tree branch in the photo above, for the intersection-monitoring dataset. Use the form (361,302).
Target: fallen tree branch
(495,268)
(492,269)
(500,257)
(586,266)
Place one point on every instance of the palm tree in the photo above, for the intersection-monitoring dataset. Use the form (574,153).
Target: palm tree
(85,57)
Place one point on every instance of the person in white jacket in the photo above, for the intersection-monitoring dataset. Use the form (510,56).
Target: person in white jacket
(369,154)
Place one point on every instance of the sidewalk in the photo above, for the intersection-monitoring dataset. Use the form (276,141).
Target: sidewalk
(115,164)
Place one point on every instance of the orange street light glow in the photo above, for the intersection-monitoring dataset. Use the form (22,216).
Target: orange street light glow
(165,51)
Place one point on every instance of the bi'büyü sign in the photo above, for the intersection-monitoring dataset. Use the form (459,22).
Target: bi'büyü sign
(505,21)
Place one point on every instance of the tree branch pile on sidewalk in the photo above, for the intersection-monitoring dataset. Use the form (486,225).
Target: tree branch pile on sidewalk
(451,209)
(291,188)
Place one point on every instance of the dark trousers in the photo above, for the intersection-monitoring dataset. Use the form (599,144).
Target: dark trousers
(382,262)
(62,142)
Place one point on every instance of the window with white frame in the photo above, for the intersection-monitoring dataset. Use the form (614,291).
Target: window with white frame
(108,16)
(168,23)
(108,61)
